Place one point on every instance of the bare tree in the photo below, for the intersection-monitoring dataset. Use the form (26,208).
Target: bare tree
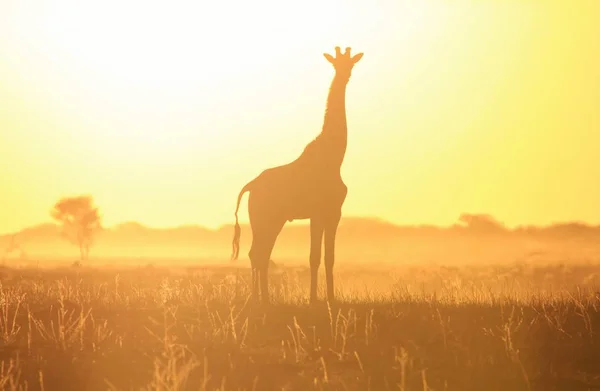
(80,221)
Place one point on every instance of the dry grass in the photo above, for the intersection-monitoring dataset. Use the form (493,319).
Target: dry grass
(421,329)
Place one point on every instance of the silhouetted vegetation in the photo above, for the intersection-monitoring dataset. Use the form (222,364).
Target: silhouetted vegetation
(79,219)
(360,239)
(437,328)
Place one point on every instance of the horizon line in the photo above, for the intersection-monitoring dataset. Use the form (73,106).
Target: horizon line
(306,222)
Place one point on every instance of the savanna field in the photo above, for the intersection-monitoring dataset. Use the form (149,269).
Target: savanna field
(519,327)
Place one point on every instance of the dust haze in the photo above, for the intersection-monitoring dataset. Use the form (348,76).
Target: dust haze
(475,239)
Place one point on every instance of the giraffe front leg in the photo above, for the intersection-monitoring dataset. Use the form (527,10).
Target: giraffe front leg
(316,239)
(330,234)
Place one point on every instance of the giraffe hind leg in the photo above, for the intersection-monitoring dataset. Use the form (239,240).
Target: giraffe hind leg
(263,240)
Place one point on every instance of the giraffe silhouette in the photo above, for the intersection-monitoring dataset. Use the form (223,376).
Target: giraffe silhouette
(310,187)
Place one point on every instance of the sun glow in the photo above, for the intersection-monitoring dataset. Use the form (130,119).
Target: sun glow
(170,44)
(145,104)
(138,75)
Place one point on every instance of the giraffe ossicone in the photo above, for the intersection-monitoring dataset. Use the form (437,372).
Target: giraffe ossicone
(310,187)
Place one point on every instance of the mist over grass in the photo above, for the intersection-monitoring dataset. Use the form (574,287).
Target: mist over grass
(475,239)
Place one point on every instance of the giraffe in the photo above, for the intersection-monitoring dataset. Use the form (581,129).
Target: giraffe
(310,187)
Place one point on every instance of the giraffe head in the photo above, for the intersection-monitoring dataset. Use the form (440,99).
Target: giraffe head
(343,63)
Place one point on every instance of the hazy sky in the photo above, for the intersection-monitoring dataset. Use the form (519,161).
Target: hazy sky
(164,110)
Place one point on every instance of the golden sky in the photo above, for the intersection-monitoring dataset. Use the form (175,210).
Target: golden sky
(164,110)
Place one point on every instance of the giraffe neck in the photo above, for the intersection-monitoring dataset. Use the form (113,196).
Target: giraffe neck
(335,130)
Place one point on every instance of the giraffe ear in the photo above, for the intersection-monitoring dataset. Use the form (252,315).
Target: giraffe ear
(357,58)
(329,57)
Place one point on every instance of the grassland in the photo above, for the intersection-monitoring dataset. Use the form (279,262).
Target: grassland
(519,327)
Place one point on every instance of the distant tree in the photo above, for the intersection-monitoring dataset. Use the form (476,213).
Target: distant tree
(481,222)
(80,221)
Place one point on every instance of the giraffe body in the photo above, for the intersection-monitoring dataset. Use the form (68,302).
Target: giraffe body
(310,187)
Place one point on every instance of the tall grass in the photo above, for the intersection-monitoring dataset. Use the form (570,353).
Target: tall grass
(430,328)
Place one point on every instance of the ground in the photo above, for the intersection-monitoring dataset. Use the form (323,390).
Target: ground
(519,327)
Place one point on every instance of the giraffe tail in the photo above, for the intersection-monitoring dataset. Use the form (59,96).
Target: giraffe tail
(237,231)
